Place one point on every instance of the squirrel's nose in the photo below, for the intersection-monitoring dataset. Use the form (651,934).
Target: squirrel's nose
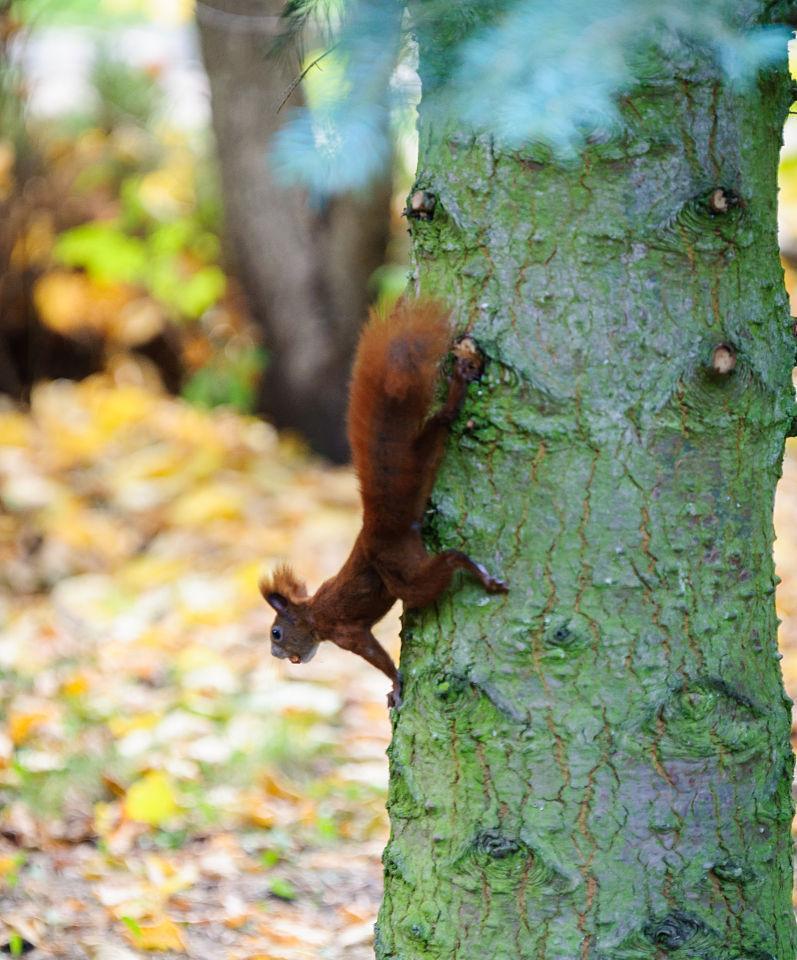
(295,659)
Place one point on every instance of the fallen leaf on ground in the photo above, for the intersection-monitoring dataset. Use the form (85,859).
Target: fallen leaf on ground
(162,934)
(151,799)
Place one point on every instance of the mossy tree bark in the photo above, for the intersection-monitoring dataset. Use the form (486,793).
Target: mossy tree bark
(598,765)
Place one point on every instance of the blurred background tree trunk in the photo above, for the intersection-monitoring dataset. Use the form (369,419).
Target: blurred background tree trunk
(305,269)
(598,764)
(28,350)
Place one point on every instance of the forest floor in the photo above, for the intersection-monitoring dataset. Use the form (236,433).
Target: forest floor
(165,784)
(167,787)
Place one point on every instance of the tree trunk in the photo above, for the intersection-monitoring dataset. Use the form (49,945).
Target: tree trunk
(304,269)
(597,765)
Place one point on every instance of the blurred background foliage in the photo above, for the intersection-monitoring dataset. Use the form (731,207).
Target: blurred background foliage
(112,224)
(165,786)
(111,210)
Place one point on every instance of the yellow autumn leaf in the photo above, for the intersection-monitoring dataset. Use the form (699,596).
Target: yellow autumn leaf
(276,787)
(156,639)
(167,192)
(70,522)
(121,725)
(22,725)
(161,934)
(151,799)
(215,501)
(167,877)
(62,424)
(258,812)
(106,818)
(71,303)
(9,865)
(7,158)
(247,575)
(33,248)
(15,429)
(62,301)
(113,408)
(75,685)
(147,571)
(210,603)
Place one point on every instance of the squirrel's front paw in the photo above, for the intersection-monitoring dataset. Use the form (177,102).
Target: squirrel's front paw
(494,585)
(468,360)
(394,697)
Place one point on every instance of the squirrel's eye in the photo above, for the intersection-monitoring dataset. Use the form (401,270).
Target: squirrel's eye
(276,633)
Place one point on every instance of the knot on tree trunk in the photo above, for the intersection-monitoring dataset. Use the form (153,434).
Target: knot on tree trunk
(674,930)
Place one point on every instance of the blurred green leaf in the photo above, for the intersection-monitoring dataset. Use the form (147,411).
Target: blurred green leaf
(104,252)
(190,295)
(171,839)
(71,13)
(131,925)
(327,829)
(389,281)
(134,213)
(282,889)
(270,858)
(227,380)
(172,237)
(11,878)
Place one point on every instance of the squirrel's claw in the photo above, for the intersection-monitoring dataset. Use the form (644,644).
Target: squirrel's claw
(394,697)
(494,585)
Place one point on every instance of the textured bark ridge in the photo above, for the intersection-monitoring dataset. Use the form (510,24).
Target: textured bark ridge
(597,765)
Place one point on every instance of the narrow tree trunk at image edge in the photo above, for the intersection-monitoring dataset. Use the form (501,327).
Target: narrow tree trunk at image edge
(305,270)
(597,765)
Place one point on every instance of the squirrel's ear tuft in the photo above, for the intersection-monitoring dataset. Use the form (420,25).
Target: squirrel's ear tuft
(278,602)
(284,585)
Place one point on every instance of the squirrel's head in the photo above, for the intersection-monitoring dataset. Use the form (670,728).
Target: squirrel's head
(292,634)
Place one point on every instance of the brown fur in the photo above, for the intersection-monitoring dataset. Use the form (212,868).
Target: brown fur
(396,452)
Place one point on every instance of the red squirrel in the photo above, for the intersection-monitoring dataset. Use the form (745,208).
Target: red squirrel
(396,448)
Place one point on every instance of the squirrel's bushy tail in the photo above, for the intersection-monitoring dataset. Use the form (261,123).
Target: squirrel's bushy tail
(392,388)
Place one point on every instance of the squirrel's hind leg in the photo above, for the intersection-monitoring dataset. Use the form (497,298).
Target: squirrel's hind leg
(430,577)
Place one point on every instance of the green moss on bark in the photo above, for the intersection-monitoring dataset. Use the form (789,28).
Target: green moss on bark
(597,765)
